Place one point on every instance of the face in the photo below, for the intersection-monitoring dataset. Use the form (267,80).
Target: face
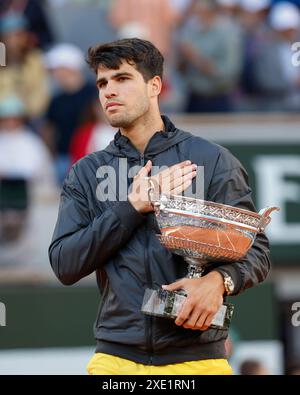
(124,95)
(16,41)
(251,20)
(205,13)
(10,123)
(289,35)
(66,77)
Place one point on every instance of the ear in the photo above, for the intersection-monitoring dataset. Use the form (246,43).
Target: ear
(155,86)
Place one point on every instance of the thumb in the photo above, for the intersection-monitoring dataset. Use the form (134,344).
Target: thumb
(145,170)
(174,286)
(148,165)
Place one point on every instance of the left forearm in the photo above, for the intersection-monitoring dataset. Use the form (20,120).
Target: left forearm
(252,269)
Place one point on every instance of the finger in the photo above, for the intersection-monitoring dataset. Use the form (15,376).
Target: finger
(193,319)
(178,181)
(184,313)
(174,286)
(178,172)
(155,185)
(201,320)
(148,165)
(183,171)
(144,171)
(208,321)
(173,177)
(177,178)
(181,188)
(168,178)
(172,169)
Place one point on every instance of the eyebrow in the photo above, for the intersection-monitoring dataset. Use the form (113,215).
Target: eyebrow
(114,76)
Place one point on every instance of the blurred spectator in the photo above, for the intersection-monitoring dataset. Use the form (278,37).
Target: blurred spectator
(93,135)
(253,367)
(154,19)
(211,59)
(254,9)
(24,74)
(180,5)
(33,10)
(66,64)
(229,8)
(232,342)
(293,368)
(229,347)
(275,80)
(25,167)
(256,32)
(296,2)
(285,20)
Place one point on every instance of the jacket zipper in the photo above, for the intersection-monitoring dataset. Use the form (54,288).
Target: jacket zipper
(149,320)
(142,160)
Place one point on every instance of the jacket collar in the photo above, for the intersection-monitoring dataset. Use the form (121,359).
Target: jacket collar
(159,142)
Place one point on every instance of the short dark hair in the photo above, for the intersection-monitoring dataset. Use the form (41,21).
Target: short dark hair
(250,367)
(137,52)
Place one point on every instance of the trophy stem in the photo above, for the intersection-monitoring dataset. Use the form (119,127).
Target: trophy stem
(195,267)
(194,271)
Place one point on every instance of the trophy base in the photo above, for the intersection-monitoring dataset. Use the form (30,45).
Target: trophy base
(163,303)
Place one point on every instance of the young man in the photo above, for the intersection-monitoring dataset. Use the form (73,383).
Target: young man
(117,239)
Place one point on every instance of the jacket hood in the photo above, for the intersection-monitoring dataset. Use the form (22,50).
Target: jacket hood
(162,140)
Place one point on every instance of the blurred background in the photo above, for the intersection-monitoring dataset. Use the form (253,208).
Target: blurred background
(232,75)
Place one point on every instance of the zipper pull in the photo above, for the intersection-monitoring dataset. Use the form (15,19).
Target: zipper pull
(142,159)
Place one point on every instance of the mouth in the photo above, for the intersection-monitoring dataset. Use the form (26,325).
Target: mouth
(112,105)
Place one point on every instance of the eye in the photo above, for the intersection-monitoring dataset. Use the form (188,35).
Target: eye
(101,85)
(121,79)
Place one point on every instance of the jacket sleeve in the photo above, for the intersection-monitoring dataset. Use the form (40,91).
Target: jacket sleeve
(229,185)
(82,244)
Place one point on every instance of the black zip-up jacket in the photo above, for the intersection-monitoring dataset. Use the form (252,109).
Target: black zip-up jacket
(120,244)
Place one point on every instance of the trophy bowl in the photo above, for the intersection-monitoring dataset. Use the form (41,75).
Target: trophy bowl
(202,232)
(208,231)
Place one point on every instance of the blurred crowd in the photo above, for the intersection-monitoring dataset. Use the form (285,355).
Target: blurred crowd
(221,56)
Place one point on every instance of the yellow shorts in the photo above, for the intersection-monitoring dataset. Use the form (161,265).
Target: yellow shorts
(102,364)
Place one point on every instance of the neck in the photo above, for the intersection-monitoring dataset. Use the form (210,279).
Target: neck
(143,129)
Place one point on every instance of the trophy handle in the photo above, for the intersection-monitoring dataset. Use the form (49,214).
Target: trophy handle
(265,217)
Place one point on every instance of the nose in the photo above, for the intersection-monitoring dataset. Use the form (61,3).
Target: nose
(110,90)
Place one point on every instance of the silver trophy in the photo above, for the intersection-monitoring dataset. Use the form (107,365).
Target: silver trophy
(202,232)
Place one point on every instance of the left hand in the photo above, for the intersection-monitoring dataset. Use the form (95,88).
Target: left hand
(204,298)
